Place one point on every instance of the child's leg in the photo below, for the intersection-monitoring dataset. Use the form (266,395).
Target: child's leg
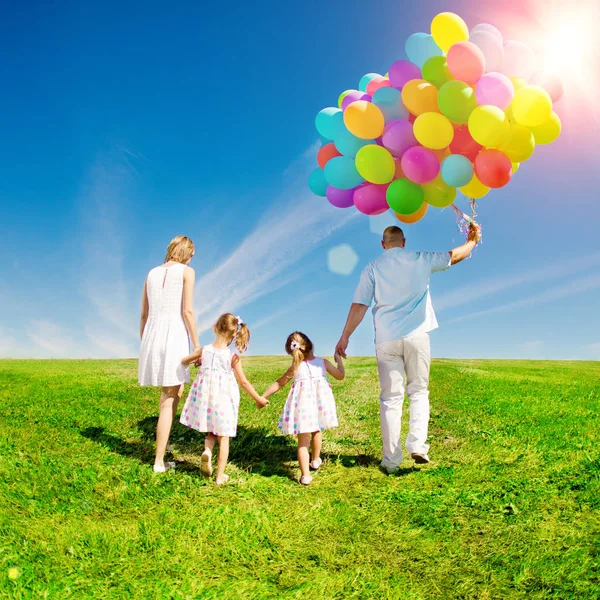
(169,397)
(303,457)
(209,442)
(223,455)
(317,441)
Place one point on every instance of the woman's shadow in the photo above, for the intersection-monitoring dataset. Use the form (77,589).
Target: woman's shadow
(254,449)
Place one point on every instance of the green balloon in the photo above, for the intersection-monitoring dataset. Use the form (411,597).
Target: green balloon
(404,196)
(457,101)
(375,164)
(435,70)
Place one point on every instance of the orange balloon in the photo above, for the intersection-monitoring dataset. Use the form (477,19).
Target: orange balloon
(420,96)
(326,153)
(413,217)
(399,172)
(442,154)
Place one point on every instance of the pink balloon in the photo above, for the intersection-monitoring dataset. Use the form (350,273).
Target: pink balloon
(491,47)
(466,62)
(519,60)
(340,198)
(402,71)
(551,83)
(377,83)
(370,199)
(420,165)
(495,89)
(399,137)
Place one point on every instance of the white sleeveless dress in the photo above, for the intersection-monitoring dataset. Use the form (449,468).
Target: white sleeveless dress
(165,339)
(213,402)
(310,405)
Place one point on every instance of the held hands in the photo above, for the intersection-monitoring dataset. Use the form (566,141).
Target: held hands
(338,361)
(341,347)
(474,233)
(262,402)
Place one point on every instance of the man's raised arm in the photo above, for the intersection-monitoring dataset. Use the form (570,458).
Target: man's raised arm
(461,252)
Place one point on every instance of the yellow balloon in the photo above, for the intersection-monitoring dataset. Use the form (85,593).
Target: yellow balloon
(518,82)
(474,189)
(433,130)
(488,126)
(515,167)
(364,120)
(447,29)
(519,145)
(438,193)
(547,132)
(531,106)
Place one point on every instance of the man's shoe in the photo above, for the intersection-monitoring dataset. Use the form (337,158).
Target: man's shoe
(420,459)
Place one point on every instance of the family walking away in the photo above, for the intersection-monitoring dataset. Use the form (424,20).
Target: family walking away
(396,284)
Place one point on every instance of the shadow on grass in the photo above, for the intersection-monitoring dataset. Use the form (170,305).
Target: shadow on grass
(254,449)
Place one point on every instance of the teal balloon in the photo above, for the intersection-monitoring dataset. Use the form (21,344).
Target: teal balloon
(330,122)
(389,101)
(341,173)
(348,144)
(420,46)
(317,182)
(457,170)
(365,80)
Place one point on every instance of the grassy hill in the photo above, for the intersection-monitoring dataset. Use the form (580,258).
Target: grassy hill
(509,507)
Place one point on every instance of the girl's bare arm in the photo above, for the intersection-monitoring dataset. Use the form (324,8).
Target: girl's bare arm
(260,401)
(280,383)
(337,372)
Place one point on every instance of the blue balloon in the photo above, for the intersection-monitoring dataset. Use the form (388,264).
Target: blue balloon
(389,102)
(457,170)
(365,80)
(420,46)
(317,183)
(341,173)
(348,144)
(329,122)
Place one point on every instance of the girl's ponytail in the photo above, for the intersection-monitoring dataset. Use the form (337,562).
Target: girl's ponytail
(242,338)
(298,345)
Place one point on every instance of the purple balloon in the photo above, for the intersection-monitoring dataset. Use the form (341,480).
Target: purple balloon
(353,96)
(420,165)
(340,198)
(399,137)
(401,72)
(370,199)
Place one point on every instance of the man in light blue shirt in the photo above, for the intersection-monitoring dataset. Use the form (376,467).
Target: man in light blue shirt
(398,284)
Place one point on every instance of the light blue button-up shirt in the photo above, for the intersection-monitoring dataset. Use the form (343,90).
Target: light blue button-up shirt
(398,282)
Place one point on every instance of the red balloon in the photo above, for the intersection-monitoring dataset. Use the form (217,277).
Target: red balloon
(326,153)
(493,168)
(464,144)
(377,83)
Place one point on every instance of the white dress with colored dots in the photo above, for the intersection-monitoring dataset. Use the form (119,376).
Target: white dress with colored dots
(213,402)
(165,339)
(310,405)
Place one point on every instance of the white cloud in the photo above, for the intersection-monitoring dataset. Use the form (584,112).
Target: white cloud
(571,288)
(270,256)
(50,340)
(494,285)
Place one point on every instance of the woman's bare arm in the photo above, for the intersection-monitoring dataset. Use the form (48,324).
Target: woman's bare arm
(145,308)
(280,383)
(187,305)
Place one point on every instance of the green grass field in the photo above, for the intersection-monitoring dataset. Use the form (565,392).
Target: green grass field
(509,507)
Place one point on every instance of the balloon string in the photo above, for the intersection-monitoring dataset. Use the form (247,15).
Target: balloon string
(463,220)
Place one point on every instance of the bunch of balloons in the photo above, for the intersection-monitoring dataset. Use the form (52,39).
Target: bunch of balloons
(463,112)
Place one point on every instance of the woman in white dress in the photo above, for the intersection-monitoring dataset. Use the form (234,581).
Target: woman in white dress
(167,326)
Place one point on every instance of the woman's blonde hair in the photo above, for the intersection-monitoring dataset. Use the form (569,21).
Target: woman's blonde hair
(181,249)
(233,329)
(298,346)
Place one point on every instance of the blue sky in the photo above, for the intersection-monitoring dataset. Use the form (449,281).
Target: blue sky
(123,124)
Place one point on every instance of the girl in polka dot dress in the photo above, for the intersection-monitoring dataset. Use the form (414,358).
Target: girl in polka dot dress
(310,407)
(213,401)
